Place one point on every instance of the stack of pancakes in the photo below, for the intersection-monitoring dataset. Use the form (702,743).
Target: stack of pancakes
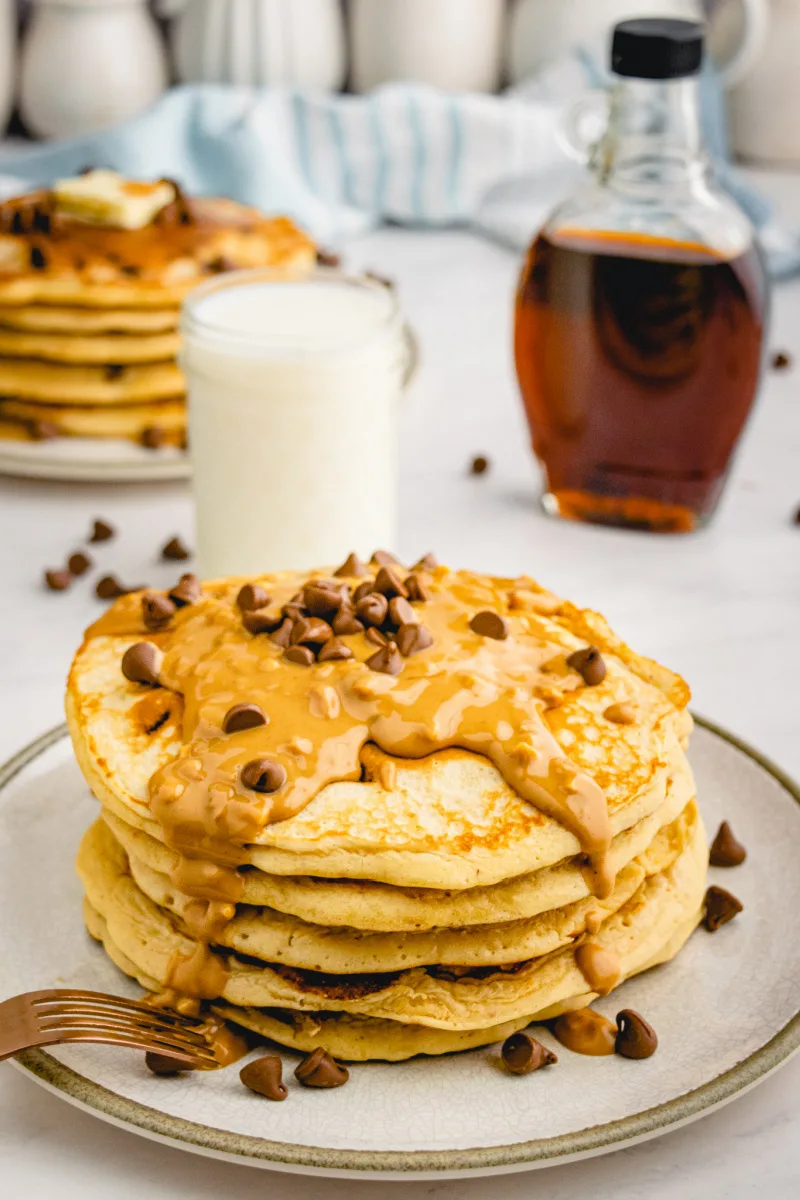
(342,834)
(89,308)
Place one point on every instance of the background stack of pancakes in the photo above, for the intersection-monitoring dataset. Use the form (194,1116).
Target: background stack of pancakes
(424,906)
(89,311)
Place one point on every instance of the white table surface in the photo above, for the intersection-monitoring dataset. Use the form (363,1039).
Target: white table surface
(722,607)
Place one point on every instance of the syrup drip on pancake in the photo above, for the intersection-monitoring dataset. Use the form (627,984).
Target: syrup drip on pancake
(479,693)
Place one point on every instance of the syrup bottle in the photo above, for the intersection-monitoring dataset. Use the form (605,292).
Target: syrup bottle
(641,310)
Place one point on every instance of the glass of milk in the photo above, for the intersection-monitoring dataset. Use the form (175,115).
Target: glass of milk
(293,391)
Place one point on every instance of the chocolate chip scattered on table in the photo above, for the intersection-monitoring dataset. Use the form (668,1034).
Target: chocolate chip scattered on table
(479,465)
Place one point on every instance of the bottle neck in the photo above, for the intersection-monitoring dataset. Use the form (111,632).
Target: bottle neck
(653,140)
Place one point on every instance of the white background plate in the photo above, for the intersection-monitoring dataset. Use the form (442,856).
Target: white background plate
(725,1012)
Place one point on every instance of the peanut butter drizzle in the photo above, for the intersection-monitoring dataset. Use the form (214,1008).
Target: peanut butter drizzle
(585,1031)
(600,967)
(466,691)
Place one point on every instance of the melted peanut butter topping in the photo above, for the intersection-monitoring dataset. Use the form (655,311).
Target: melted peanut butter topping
(479,693)
(600,966)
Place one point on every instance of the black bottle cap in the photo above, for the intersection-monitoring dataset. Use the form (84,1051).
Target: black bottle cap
(657,48)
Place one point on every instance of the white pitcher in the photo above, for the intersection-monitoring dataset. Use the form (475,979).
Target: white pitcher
(261,42)
(764,106)
(88,64)
(453,44)
(540,30)
(8,56)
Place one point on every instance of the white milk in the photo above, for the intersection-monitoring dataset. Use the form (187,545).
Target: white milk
(293,390)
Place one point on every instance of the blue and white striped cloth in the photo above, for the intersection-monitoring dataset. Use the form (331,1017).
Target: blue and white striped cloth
(342,164)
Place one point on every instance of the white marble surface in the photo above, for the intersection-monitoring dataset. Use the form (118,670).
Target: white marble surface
(722,607)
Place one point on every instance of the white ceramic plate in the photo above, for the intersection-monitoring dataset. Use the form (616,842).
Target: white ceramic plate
(725,1012)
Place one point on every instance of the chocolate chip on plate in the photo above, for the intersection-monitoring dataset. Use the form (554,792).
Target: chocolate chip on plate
(38,259)
(175,551)
(319,1070)
(114,371)
(43,431)
(636,1037)
(411,639)
(479,465)
(726,850)
(490,625)
(163,1064)
(153,437)
(57,581)
(781,360)
(334,651)
(301,656)
(102,531)
(389,584)
(243,716)
(327,258)
(588,662)
(252,596)
(721,907)
(264,1076)
(188,590)
(523,1054)
(78,563)
(157,610)
(372,609)
(141,663)
(108,587)
(263,775)
(387,660)
(352,567)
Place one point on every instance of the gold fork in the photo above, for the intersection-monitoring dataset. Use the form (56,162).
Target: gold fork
(61,1015)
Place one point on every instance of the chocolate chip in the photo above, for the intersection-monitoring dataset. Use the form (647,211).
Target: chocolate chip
(334,651)
(373,609)
(319,1070)
(109,588)
(102,531)
(346,622)
(311,631)
(303,656)
(417,588)
(589,664)
(188,590)
(294,610)
(364,589)
(781,360)
(410,639)
(726,851)
(796,519)
(57,581)
(479,465)
(384,558)
(153,437)
(322,599)
(263,620)
(252,596)
(18,223)
(78,563)
(116,371)
(326,258)
(175,551)
(721,907)
(41,222)
(38,259)
(243,716)
(389,585)
(142,662)
(43,431)
(263,775)
(387,660)
(263,1076)
(428,562)
(401,612)
(221,264)
(130,270)
(636,1037)
(523,1054)
(490,625)
(157,610)
(376,637)
(352,567)
(283,634)
(162,1064)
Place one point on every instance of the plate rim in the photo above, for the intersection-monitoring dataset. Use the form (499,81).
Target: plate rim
(410,1164)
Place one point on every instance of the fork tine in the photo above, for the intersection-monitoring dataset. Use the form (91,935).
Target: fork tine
(134,1042)
(100,999)
(185,1037)
(55,1015)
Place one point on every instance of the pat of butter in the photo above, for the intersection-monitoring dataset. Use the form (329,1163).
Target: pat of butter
(106,198)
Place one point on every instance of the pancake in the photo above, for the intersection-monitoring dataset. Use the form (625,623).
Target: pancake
(664,907)
(120,421)
(447,820)
(85,322)
(47,257)
(55,383)
(100,348)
